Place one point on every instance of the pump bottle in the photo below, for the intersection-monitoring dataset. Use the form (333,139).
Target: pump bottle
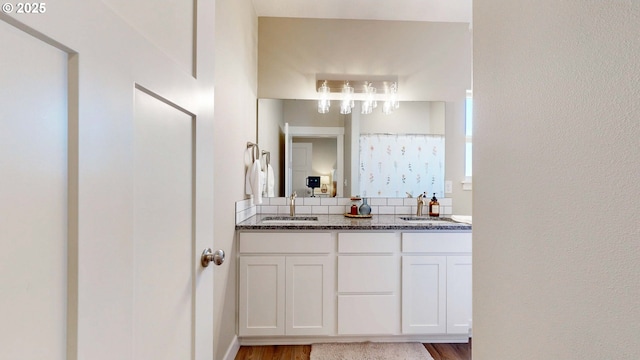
(434,206)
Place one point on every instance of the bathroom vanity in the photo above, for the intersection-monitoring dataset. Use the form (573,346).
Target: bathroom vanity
(331,278)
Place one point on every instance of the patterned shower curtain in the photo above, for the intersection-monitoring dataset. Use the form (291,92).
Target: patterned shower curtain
(394,165)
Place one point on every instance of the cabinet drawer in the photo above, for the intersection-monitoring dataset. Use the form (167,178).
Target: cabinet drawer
(285,242)
(436,242)
(368,273)
(367,242)
(368,314)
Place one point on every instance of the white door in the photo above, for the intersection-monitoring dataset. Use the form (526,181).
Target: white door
(301,155)
(164,248)
(33,198)
(105,189)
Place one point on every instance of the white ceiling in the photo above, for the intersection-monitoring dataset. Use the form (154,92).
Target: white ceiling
(401,10)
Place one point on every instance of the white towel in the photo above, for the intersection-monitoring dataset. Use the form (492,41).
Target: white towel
(253,182)
(465,219)
(270,181)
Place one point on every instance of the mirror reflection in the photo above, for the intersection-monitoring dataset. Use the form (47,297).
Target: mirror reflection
(402,152)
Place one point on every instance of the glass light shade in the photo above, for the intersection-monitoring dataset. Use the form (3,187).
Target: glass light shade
(370,102)
(323,106)
(347,102)
(323,102)
(392,102)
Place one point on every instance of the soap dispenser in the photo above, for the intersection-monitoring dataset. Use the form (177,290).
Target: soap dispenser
(434,206)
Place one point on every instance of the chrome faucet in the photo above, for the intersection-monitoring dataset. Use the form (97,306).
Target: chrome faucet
(420,204)
(292,204)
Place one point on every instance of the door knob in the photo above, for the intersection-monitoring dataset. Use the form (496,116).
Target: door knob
(208,256)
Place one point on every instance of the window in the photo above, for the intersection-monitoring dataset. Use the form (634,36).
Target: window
(468,170)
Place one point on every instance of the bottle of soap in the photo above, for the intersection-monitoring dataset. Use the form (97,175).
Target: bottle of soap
(434,206)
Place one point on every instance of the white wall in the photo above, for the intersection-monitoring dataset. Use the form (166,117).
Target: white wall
(305,113)
(412,117)
(235,123)
(556,252)
(431,60)
(324,156)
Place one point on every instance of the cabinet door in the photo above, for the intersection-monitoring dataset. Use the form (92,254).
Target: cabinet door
(309,300)
(262,295)
(424,294)
(459,294)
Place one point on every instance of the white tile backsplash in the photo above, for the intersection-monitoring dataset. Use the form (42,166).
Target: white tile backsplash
(377,201)
(312,201)
(277,201)
(284,210)
(334,206)
(304,209)
(320,210)
(337,210)
(402,210)
(268,209)
(387,210)
(243,205)
(328,201)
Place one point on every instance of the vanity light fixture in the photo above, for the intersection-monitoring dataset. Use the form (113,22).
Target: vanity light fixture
(348,91)
(323,102)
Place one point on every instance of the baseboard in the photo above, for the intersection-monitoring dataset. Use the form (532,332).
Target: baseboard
(232,350)
(307,340)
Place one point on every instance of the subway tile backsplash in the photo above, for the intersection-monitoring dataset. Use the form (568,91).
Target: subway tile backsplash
(333,206)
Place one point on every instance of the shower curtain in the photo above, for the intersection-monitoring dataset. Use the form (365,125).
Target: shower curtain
(394,165)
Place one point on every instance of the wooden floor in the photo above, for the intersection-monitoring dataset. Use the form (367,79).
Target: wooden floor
(302,352)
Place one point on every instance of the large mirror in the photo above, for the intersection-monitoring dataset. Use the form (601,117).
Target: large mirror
(402,152)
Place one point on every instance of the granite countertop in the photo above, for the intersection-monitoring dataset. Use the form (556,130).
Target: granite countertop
(341,222)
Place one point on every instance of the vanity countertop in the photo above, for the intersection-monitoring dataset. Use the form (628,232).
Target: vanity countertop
(340,222)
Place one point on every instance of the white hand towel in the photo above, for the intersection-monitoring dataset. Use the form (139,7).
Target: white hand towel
(253,182)
(270,181)
(247,180)
(465,219)
(256,183)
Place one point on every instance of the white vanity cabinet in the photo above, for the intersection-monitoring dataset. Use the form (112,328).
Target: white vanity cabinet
(436,283)
(286,284)
(368,283)
(300,286)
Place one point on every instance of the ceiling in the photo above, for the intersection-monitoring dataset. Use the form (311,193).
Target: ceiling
(399,10)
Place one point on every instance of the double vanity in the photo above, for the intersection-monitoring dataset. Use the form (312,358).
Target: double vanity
(319,278)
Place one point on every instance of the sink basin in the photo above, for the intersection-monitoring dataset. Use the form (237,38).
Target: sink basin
(289,219)
(425,220)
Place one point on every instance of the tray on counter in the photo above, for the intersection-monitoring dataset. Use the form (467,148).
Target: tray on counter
(358,216)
